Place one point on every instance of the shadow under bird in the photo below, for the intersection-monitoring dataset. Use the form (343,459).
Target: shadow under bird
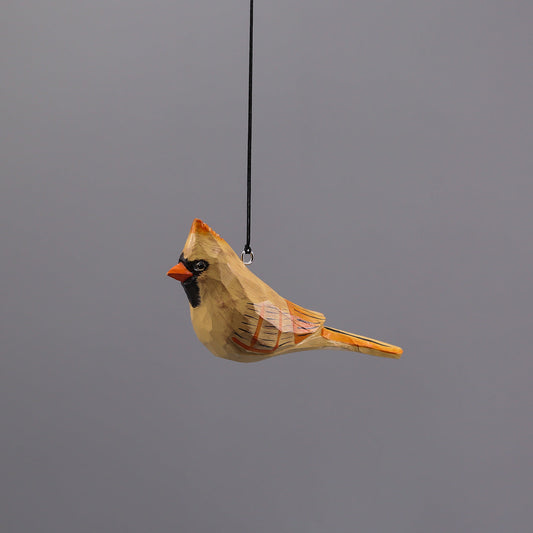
(238,316)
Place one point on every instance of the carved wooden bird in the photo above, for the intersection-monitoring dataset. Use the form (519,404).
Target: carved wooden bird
(239,317)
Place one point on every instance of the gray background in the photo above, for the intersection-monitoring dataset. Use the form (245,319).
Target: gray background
(392,191)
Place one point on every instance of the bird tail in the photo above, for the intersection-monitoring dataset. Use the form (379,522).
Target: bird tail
(342,340)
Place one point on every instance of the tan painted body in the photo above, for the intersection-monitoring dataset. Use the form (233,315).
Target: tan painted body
(239,317)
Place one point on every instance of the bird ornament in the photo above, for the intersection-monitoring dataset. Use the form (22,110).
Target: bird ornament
(238,316)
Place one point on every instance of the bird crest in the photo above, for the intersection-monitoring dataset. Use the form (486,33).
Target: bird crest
(200,227)
(203,242)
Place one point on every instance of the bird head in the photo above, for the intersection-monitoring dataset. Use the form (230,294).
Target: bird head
(206,260)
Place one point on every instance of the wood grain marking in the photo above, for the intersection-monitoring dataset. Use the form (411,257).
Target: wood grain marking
(258,328)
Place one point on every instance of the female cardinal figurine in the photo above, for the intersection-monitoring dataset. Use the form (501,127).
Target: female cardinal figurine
(237,316)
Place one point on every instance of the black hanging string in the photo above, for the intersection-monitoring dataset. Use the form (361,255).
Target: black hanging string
(247,248)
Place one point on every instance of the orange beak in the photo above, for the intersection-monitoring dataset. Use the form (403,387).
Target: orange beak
(179,272)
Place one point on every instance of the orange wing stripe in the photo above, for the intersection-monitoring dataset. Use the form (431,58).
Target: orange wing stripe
(304,321)
(258,328)
(251,348)
(257,334)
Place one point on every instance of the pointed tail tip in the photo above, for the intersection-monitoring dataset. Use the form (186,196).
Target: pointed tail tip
(396,353)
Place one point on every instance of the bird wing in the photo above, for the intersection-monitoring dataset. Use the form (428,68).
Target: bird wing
(266,328)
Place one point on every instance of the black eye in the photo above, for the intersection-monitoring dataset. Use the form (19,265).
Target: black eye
(200,265)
